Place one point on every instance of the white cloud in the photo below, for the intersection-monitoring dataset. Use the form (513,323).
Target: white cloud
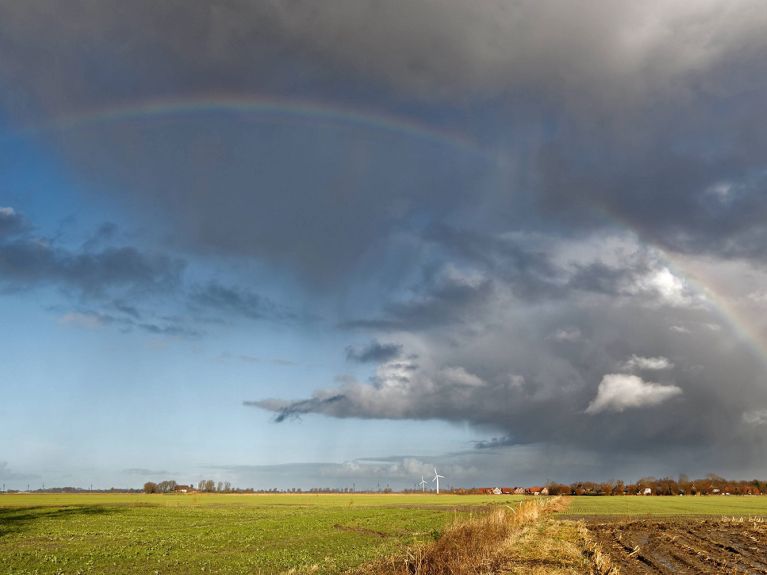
(569,334)
(722,191)
(759,296)
(670,289)
(7,212)
(679,329)
(459,376)
(649,363)
(755,417)
(516,381)
(619,391)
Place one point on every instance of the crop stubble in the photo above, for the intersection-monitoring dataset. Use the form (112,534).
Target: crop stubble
(675,546)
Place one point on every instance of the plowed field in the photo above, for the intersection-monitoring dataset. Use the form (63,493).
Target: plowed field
(682,546)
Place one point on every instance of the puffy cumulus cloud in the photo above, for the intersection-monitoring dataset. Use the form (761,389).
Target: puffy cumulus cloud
(670,289)
(492,359)
(618,392)
(398,390)
(648,363)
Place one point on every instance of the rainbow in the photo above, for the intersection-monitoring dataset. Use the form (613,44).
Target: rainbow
(263,109)
(725,310)
(270,109)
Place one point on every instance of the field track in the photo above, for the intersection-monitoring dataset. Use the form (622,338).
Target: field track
(683,546)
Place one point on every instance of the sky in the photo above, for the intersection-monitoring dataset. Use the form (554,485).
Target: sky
(336,244)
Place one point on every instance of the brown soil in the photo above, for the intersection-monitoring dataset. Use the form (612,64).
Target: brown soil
(683,546)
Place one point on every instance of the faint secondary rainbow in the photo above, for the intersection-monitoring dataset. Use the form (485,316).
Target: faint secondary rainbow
(263,109)
(725,309)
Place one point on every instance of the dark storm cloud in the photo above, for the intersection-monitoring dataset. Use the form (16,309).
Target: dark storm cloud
(525,272)
(642,111)
(445,296)
(373,352)
(29,262)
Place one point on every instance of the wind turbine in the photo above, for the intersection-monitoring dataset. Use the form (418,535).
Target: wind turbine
(423,484)
(436,478)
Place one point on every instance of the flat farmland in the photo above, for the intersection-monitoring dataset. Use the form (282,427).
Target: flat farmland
(676,535)
(632,505)
(223,534)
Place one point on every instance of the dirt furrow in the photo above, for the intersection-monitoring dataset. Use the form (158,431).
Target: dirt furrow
(641,547)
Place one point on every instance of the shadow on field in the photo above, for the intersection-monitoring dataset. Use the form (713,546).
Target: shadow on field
(16,519)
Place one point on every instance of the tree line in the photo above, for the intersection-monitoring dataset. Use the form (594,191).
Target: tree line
(712,484)
(203,486)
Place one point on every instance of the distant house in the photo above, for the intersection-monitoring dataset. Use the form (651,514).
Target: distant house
(545,491)
(183,489)
(507,490)
(647,491)
(497,491)
(715,491)
(536,490)
(520,491)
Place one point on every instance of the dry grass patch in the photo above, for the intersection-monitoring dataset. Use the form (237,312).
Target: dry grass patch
(478,545)
(547,547)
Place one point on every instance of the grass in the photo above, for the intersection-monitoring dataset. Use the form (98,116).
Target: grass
(221,534)
(470,546)
(320,534)
(631,505)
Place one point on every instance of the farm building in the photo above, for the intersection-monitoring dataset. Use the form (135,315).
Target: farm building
(538,491)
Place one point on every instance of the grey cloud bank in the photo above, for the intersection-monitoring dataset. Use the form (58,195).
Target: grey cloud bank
(552,284)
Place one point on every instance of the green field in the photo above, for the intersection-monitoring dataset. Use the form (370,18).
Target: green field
(174,534)
(269,534)
(717,505)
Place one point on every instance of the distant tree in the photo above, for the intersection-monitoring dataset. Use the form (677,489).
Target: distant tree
(166,486)
(150,487)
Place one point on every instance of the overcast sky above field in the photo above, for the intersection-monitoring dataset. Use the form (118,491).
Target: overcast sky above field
(331,243)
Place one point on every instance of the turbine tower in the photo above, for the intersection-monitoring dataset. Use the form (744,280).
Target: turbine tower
(422,484)
(436,478)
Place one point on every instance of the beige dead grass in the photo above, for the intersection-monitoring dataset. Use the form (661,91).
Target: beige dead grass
(546,547)
(506,540)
